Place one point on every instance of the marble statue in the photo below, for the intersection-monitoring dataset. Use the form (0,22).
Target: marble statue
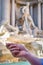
(28,23)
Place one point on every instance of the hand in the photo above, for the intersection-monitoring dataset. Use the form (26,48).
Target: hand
(17,50)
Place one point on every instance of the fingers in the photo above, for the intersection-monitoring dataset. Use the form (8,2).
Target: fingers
(10,45)
(17,45)
(15,53)
(12,49)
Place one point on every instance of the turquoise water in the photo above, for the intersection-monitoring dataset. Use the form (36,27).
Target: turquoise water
(18,63)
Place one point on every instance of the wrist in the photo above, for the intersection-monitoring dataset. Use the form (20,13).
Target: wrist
(26,54)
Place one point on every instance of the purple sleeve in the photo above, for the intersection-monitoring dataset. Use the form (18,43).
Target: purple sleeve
(41,61)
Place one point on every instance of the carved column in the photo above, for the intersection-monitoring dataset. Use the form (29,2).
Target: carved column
(5,11)
(39,15)
(13,12)
(31,8)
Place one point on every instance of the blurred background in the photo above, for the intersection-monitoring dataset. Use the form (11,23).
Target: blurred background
(11,11)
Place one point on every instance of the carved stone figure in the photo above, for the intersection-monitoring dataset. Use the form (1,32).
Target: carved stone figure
(28,23)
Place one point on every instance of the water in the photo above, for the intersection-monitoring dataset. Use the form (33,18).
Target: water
(17,63)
